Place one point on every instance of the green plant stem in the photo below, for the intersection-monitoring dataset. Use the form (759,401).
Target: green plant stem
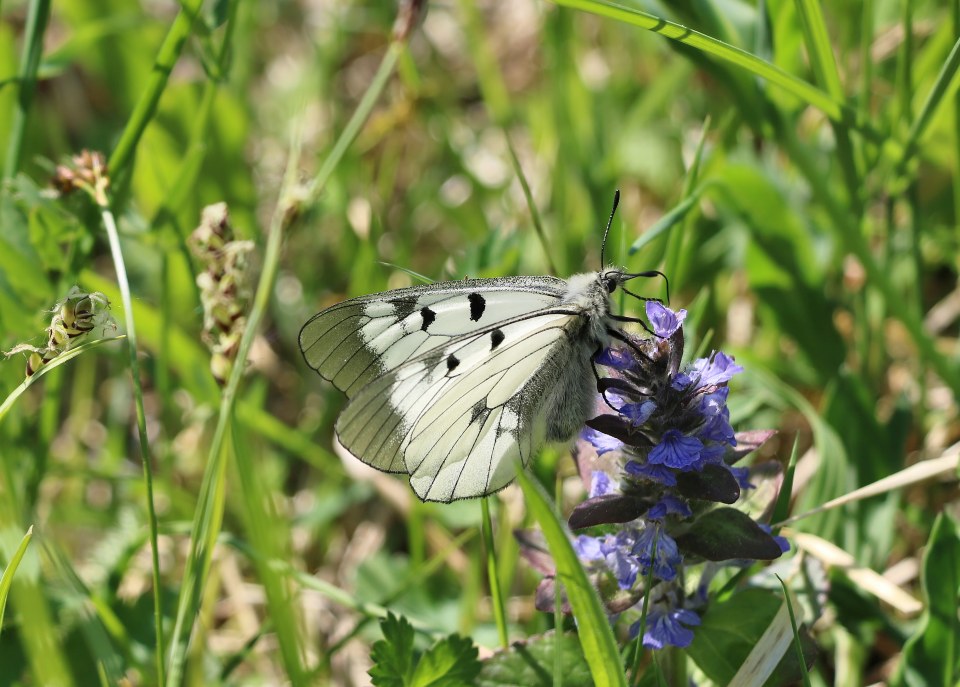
(941,87)
(206,526)
(114,238)
(350,131)
(825,71)
(496,594)
(146,106)
(37,16)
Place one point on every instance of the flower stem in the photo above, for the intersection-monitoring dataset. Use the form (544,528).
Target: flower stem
(114,239)
(494,579)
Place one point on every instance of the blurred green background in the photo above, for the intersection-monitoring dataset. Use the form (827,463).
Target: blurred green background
(816,240)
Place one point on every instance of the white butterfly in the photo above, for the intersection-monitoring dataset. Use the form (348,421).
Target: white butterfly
(456,383)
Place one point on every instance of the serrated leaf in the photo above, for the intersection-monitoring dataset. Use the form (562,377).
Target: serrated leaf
(724,534)
(532,663)
(451,662)
(393,655)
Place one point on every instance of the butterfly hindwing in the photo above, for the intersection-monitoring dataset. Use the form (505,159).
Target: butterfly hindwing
(356,341)
(459,417)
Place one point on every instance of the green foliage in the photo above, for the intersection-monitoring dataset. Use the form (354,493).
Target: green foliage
(732,628)
(931,655)
(450,662)
(790,164)
(533,663)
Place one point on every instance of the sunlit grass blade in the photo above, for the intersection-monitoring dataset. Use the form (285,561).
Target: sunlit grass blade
(763,659)
(919,472)
(670,218)
(52,365)
(596,636)
(729,53)
(7,579)
(865,579)
(796,633)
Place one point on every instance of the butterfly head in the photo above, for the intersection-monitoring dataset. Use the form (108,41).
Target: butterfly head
(612,278)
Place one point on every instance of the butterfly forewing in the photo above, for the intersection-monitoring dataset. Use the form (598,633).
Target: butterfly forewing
(356,341)
(458,418)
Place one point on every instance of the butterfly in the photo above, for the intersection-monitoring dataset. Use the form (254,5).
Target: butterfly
(458,383)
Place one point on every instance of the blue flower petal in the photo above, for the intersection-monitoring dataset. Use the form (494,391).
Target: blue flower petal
(664,321)
(676,450)
(603,443)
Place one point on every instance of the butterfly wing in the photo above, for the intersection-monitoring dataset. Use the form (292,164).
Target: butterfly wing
(459,417)
(355,342)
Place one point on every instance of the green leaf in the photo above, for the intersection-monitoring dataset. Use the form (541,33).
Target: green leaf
(930,656)
(393,657)
(729,631)
(596,637)
(451,662)
(727,533)
(531,663)
(7,579)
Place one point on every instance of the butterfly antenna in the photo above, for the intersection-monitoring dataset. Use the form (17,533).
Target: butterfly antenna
(606,232)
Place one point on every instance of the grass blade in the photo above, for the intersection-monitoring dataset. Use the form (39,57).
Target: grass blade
(7,579)
(596,637)
(52,365)
(808,93)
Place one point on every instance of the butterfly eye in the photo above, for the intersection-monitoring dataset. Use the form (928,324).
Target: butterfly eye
(611,284)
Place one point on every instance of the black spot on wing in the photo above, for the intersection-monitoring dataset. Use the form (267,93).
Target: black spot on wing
(452,362)
(477,305)
(496,338)
(428,317)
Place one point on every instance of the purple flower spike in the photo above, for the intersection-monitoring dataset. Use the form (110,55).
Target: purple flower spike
(666,628)
(676,451)
(665,322)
